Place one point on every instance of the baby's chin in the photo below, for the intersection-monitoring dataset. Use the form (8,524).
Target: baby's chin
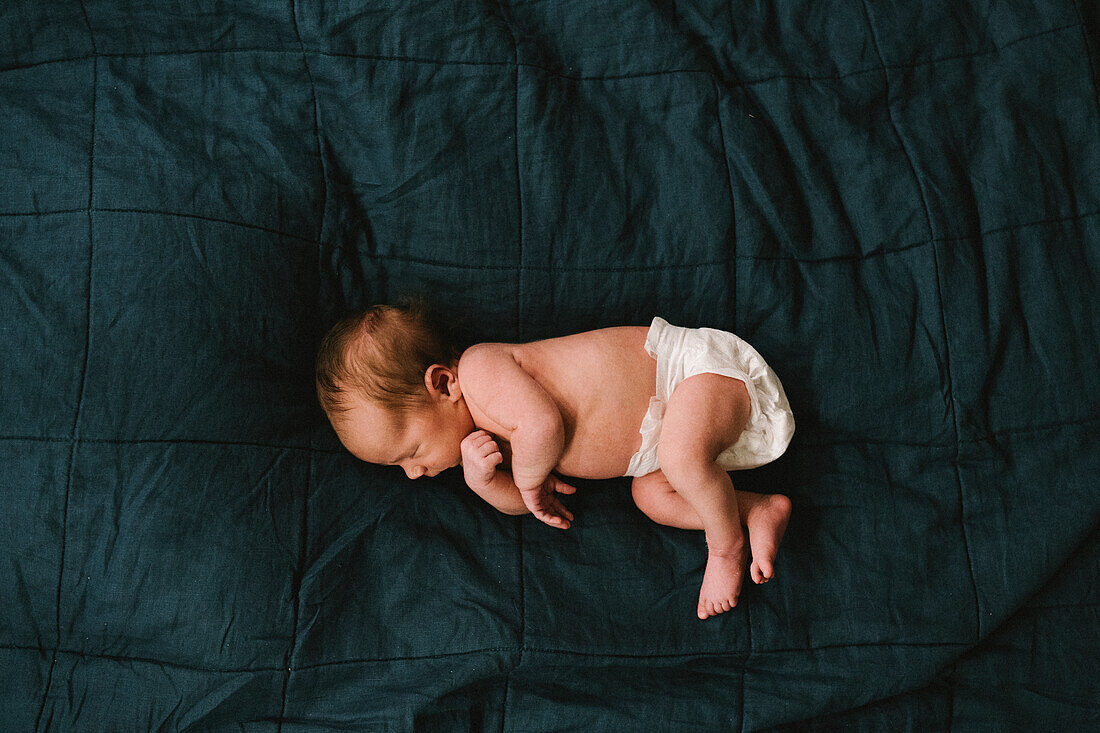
(445,468)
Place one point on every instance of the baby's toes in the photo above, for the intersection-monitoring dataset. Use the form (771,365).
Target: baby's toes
(764,567)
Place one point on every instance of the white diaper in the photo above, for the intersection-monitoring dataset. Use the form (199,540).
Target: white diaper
(685,352)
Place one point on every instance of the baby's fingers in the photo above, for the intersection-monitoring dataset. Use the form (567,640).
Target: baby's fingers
(475,439)
(563,488)
(555,514)
(553,521)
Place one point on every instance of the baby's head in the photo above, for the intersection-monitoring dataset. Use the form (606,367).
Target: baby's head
(387,378)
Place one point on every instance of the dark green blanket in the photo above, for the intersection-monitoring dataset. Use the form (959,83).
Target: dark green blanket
(897,204)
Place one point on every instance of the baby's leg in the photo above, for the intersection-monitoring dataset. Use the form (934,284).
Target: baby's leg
(705,414)
(764,515)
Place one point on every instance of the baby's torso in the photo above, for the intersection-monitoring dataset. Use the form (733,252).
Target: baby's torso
(602,382)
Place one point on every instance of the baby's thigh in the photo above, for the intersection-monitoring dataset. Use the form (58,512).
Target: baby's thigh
(705,414)
(646,489)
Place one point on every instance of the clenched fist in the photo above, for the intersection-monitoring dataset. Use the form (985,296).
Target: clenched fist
(480,458)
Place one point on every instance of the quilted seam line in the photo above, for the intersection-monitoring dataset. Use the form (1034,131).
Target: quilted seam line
(129,659)
(522,628)
(952,683)
(296,587)
(316,121)
(162,212)
(736,654)
(731,261)
(179,441)
(745,664)
(1039,608)
(943,321)
(538,268)
(952,238)
(519,182)
(610,77)
(732,655)
(299,571)
(1088,53)
(75,434)
(519,332)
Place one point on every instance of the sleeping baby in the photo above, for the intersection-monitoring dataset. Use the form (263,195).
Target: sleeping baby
(675,408)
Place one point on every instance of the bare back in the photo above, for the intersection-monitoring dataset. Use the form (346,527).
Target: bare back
(602,382)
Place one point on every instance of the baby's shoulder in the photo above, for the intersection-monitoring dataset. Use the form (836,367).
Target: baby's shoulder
(485,367)
(485,358)
(497,387)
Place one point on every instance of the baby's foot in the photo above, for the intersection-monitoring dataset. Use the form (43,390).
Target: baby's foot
(766,522)
(721,583)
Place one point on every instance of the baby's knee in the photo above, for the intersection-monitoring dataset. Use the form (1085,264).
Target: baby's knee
(643,487)
(706,414)
(647,490)
(684,461)
(644,497)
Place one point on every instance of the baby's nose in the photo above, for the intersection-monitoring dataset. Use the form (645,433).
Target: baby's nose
(414,472)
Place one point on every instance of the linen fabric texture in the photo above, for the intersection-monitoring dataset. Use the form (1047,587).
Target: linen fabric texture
(896,204)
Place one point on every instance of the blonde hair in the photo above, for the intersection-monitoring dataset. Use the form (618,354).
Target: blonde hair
(381,354)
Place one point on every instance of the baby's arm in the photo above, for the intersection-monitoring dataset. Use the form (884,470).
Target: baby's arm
(532,423)
(480,460)
(502,493)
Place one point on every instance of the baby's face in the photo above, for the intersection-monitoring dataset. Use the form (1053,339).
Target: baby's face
(428,441)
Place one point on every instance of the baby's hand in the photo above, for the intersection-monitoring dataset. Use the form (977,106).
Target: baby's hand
(480,458)
(544,504)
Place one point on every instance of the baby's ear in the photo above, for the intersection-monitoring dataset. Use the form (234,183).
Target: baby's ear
(440,379)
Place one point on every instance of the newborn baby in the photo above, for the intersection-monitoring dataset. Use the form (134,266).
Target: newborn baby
(675,408)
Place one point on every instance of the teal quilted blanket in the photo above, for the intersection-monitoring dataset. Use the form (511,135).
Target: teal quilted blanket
(896,203)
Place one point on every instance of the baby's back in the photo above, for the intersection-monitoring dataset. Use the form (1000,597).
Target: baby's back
(602,382)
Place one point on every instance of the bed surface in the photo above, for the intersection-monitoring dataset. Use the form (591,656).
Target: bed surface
(897,205)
